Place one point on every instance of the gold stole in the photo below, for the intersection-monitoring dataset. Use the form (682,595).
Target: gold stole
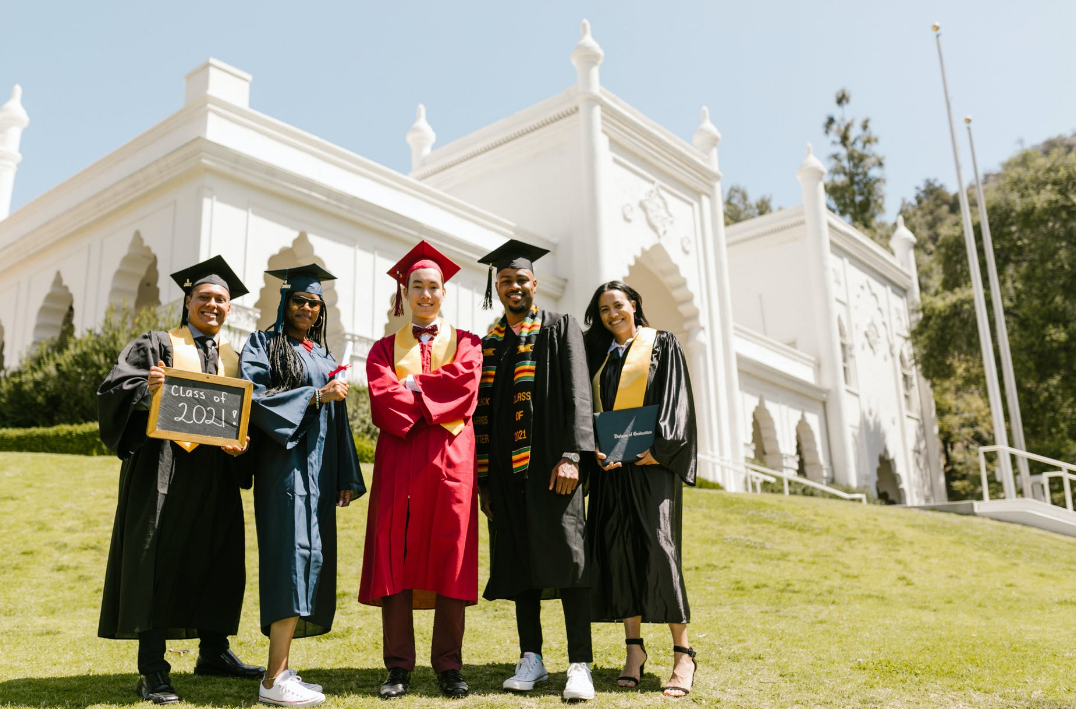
(407,357)
(632,387)
(185,357)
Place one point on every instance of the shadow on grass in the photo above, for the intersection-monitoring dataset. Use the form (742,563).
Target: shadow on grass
(83,691)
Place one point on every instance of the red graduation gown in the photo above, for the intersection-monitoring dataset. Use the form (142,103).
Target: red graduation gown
(422,525)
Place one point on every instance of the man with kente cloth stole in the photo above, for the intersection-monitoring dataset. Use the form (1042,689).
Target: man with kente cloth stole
(176,562)
(533,421)
(422,527)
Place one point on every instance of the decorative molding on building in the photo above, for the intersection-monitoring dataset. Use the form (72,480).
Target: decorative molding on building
(656,208)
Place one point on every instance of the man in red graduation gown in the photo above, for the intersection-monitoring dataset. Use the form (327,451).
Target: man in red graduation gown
(422,529)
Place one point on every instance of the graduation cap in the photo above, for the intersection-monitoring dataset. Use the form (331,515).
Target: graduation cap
(512,254)
(215,271)
(422,256)
(301,279)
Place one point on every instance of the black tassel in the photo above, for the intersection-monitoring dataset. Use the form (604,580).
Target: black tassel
(397,309)
(487,301)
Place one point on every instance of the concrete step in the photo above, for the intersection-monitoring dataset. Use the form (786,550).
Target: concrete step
(1031,513)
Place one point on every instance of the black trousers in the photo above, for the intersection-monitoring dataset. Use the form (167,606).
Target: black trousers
(151,648)
(576,603)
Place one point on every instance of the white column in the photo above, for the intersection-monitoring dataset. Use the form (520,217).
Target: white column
(421,139)
(729,414)
(820,272)
(902,243)
(589,267)
(13,120)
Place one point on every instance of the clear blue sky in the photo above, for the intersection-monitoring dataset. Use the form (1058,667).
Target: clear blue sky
(97,74)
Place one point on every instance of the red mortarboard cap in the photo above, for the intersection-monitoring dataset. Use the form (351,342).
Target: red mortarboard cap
(422,256)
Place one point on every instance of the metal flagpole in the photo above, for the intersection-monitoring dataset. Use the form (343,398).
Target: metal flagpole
(1007,374)
(985,340)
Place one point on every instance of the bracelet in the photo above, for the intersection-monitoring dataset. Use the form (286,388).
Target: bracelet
(317,398)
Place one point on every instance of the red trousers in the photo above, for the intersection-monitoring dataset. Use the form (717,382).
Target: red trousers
(397,621)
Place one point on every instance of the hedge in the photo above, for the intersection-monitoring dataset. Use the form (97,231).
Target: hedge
(365,448)
(74,438)
(84,439)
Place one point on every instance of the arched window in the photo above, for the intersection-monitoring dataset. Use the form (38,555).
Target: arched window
(846,354)
(907,377)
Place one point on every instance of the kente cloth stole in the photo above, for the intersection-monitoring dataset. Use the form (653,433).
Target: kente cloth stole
(407,357)
(524,362)
(185,357)
(632,387)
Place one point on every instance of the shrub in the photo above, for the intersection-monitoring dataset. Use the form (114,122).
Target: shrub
(365,448)
(57,382)
(76,439)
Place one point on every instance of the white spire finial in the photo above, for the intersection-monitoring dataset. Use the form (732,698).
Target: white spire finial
(12,113)
(707,136)
(811,167)
(902,237)
(586,57)
(420,137)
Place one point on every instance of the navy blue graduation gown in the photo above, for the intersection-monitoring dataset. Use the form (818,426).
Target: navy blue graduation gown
(303,457)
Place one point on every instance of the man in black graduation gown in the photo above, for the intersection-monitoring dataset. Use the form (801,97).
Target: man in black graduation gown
(533,421)
(176,563)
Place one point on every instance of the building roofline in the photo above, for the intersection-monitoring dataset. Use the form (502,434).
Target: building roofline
(191,122)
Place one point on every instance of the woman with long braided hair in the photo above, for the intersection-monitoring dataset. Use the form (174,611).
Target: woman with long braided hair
(306,466)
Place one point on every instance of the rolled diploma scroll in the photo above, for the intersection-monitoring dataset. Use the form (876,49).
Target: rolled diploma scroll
(345,362)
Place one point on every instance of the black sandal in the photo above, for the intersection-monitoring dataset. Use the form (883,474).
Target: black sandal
(642,665)
(690,653)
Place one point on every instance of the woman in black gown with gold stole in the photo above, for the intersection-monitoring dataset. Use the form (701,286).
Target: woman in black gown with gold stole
(635,513)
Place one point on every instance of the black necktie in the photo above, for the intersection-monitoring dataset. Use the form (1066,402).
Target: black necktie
(209,355)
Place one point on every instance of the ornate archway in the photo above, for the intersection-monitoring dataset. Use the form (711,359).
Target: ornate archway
(57,313)
(668,303)
(300,253)
(135,282)
(764,437)
(887,485)
(810,461)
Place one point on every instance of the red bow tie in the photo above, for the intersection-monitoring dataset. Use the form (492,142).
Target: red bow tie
(418,332)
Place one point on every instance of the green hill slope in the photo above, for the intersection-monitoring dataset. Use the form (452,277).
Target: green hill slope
(796,602)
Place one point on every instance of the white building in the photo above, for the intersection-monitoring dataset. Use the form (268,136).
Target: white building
(795,324)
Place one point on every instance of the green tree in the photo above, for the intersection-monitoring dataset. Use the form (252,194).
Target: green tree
(1032,211)
(739,207)
(855,185)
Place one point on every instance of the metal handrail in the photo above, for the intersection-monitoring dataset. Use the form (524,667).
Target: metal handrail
(759,474)
(1067,473)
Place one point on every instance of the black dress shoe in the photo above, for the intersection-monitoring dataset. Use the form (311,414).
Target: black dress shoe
(397,683)
(452,684)
(157,688)
(226,664)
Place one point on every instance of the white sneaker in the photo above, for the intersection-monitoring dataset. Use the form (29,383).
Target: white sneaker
(579,685)
(529,671)
(308,685)
(289,691)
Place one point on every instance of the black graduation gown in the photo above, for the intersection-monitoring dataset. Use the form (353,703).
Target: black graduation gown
(636,511)
(537,537)
(176,560)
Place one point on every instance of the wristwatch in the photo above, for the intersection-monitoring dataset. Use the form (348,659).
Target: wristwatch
(574,457)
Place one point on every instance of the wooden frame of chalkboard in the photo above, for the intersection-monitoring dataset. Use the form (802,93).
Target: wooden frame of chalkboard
(202,402)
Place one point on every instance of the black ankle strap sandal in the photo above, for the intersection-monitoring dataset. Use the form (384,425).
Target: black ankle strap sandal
(634,680)
(690,653)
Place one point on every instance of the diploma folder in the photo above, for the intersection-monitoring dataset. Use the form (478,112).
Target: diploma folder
(624,434)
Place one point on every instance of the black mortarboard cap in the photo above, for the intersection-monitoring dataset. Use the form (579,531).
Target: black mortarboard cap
(511,254)
(301,279)
(216,271)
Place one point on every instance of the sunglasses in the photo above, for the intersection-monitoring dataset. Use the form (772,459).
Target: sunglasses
(299,301)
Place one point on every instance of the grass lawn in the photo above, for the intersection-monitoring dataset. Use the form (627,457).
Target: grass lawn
(796,602)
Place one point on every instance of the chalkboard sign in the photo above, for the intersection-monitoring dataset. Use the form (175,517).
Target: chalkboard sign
(200,408)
